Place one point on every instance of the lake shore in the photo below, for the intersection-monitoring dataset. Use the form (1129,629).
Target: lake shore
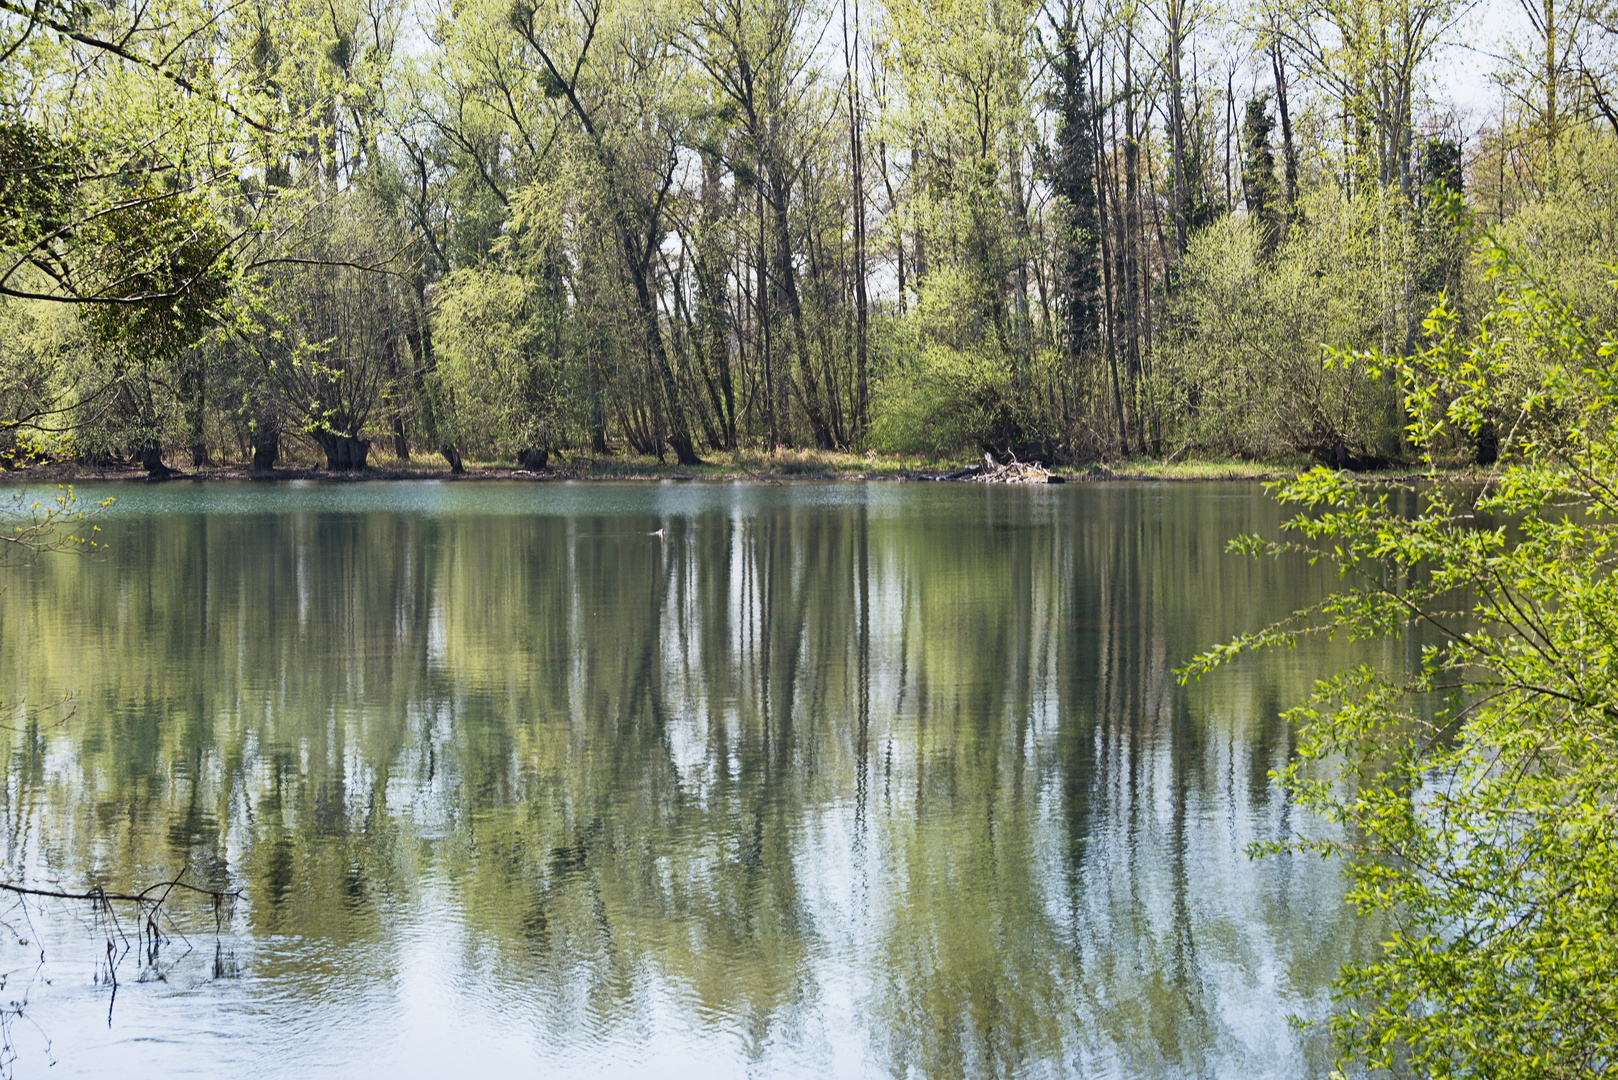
(780,467)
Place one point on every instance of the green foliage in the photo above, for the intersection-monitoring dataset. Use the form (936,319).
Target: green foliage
(942,384)
(1260,189)
(939,400)
(36,180)
(498,362)
(1477,792)
(161,254)
(673,185)
(1242,368)
(38,341)
(1572,231)
(1077,210)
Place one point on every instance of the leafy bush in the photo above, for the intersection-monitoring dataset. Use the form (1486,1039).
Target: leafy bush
(1240,371)
(942,400)
(943,381)
(1477,794)
(1571,232)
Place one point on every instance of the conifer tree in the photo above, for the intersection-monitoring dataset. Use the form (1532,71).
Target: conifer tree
(1073,181)
(1259,187)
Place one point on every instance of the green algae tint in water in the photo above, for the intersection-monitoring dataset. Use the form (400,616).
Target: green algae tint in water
(825,780)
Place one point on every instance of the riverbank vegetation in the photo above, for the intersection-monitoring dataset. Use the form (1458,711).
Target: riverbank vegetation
(1473,792)
(780,465)
(243,233)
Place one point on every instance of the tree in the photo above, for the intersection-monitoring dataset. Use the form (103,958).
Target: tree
(1240,366)
(1259,188)
(1475,795)
(497,335)
(329,338)
(1369,58)
(753,55)
(611,65)
(1073,182)
(157,164)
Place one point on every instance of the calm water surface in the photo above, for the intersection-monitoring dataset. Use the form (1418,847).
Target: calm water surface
(843,779)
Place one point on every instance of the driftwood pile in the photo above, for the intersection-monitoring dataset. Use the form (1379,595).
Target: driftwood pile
(992,472)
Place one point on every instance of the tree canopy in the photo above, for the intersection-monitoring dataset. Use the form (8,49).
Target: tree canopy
(1062,231)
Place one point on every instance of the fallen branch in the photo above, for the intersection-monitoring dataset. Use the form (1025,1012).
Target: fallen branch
(144,896)
(992,472)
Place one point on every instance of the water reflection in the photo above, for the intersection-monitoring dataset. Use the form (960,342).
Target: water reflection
(831,779)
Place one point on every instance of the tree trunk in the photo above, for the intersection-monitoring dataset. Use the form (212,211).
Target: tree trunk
(787,283)
(1551,122)
(344,453)
(266,447)
(762,312)
(1179,195)
(420,340)
(401,445)
(1486,443)
(856,117)
(684,452)
(193,398)
(151,459)
(713,342)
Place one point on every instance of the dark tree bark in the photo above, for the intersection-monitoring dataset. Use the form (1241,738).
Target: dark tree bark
(401,445)
(786,279)
(193,400)
(344,453)
(151,459)
(266,446)
(1486,443)
(684,452)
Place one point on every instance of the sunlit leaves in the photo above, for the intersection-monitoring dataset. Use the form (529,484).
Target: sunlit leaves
(32,526)
(1478,788)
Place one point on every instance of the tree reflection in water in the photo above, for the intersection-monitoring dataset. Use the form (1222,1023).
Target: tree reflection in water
(878,779)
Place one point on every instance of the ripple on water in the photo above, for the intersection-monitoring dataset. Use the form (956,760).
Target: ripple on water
(830,780)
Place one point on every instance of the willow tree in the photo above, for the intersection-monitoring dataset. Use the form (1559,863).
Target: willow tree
(608,65)
(474,131)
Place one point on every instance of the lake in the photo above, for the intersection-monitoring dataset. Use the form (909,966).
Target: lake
(834,779)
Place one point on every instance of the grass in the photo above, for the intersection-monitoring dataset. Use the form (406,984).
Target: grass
(748,464)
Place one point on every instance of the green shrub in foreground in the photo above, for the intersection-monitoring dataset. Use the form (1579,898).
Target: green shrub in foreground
(1487,827)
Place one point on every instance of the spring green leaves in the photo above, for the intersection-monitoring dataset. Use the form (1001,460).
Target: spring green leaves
(1474,794)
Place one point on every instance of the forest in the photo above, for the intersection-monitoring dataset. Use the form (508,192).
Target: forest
(346,231)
